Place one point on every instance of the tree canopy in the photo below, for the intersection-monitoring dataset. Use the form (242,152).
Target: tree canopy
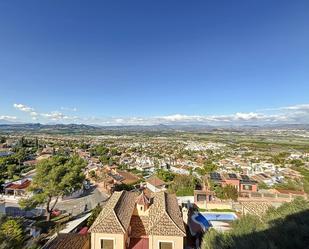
(227,192)
(55,177)
(165,175)
(11,233)
(183,185)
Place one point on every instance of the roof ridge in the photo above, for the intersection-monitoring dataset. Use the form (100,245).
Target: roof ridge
(152,206)
(183,232)
(114,212)
(108,211)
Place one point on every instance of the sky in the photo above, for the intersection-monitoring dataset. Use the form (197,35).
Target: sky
(151,62)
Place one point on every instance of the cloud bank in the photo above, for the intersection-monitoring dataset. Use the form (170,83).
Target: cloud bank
(289,114)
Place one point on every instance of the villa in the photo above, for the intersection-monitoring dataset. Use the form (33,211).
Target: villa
(133,221)
(17,188)
(154,184)
(242,183)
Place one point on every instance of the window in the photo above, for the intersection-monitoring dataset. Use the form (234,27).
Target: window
(201,197)
(107,244)
(247,187)
(165,245)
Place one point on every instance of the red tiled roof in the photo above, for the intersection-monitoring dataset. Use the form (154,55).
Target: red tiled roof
(139,226)
(155,181)
(116,214)
(129,178)
(139,243)
(83,231)
(142,199)
(24,185)
(164,218)
(70,241)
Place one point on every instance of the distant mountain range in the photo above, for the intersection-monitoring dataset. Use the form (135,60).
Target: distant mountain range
(5,122)
(82,128)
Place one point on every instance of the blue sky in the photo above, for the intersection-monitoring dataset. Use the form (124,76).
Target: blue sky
(144,62)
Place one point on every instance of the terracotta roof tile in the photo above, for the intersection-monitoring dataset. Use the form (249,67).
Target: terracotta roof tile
(174,212)
(142,199)
(23,185)
(129,178)
(70,241)
(155,181)
(125,207)
(161,222)
(139,226)
(116,214)
(164,216)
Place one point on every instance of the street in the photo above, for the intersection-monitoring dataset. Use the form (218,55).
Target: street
(74,206)
(77,205)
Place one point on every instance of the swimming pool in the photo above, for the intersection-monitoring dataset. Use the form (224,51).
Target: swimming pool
(219,216)
(201,219)
(206,219)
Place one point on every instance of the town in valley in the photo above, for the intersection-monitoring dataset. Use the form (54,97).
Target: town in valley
(146,186)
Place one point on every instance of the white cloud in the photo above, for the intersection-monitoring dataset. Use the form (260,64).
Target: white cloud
(10,118)
(248,116)
(70,109)
(49,116)
(289,114)
(303,107)
(55,116)
(23,108)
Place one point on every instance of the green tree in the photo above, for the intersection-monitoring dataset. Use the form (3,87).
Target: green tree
(123,186)
(104,159)
(183,185)
(290,185)
(11,234)
(20,155)
(227,192)
(165,175)
(55,177)
(99,150)
(263,185)
(94,214)
(36,143)
(209,167)
(2,140)
(297,162)
(11,170)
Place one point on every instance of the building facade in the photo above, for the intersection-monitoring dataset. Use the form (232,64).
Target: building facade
(132,221)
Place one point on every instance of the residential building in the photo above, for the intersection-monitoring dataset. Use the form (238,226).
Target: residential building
(154,184)
(17,188)
(133,221)
(242,183)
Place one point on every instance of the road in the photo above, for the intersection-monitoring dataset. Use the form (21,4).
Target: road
(74,206)
(77,205)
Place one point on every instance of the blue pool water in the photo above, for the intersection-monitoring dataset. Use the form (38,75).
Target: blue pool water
(205,218)
(219,217)
(200,218)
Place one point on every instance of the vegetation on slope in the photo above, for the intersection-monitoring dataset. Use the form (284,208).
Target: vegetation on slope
(281,228)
